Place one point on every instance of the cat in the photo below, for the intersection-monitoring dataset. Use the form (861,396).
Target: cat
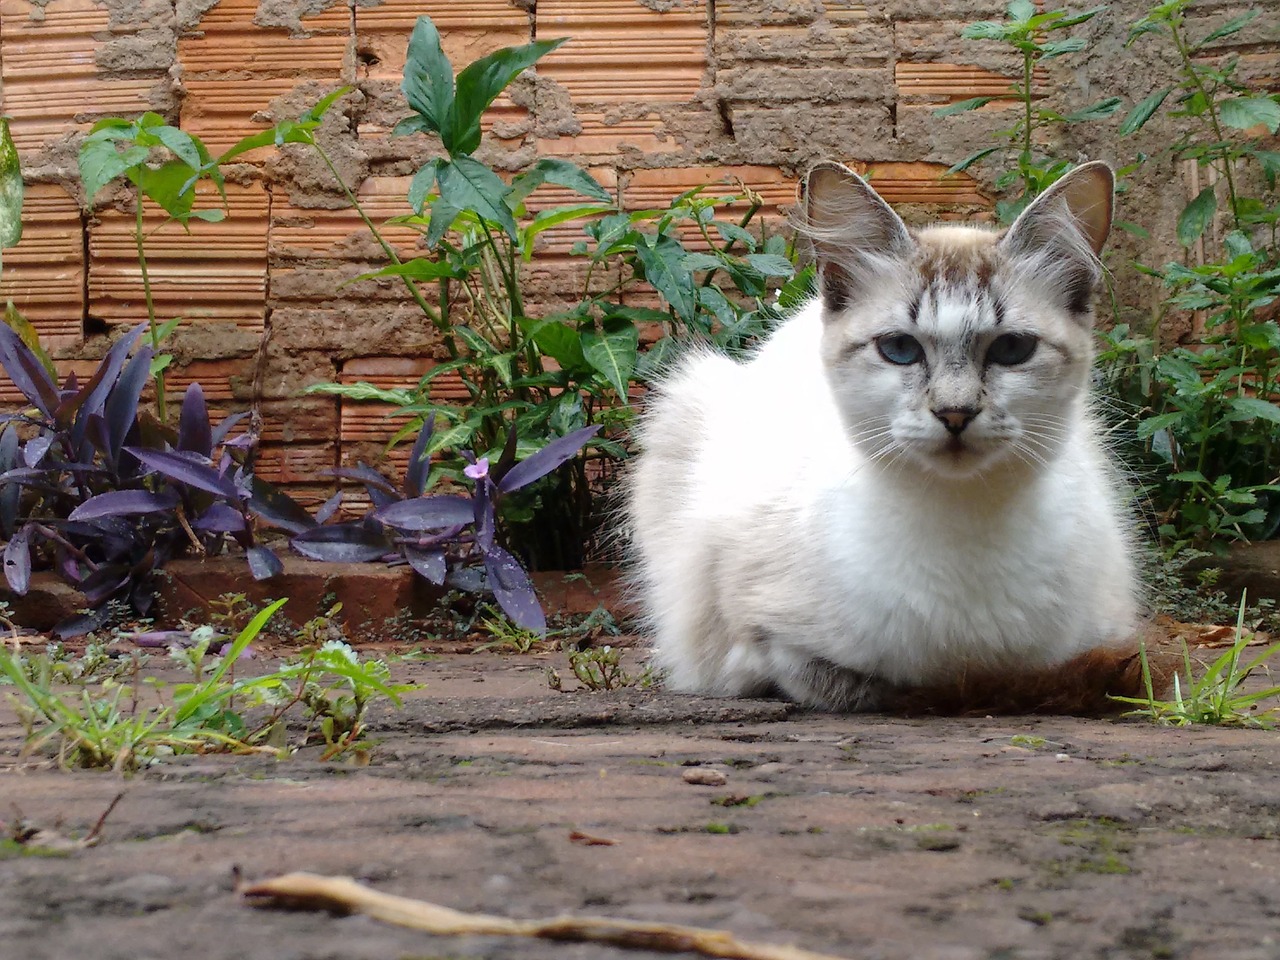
(902,488)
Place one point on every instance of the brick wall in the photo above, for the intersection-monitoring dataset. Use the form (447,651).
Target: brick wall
(654,96)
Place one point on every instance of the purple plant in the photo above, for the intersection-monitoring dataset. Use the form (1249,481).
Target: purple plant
(447,538)
(106,495)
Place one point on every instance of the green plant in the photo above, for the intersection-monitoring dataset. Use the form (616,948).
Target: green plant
(600,668)
(545,376)
(1206,410)
(507,636)
(126,726)
(117,147)
(1217,697)
(1035,38)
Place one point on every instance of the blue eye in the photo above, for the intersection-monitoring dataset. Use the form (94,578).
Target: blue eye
(901,349)
(1011,349)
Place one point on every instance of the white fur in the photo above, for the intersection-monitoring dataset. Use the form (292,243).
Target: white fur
(802,506)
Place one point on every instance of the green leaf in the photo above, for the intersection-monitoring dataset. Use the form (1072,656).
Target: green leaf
(1189,476)
(962,106)
(563,174)
(442,218)
(181,144)
(479,84)
(555,339)
(361,391)
(159,362)
(1195,217)
(210,216)
(477,344)
(1056,48)
(732,233)
(696,262)
(317,111)
(165,186)
(613,352)
(983,30)
(771,265)
(970,160)
(1245,112)
(1096,111)
(1143,112)
(1251,408)
(1229,28)
(101,162)
(1270,163)
(11,189)
(165,330)
(418,268)
(662,258)
(1081,17)
(1021,10)
(546,219)
(422,183)
(428,77)
(1155,424)
(467,184)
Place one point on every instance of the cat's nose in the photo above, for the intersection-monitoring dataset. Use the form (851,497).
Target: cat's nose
(955,419)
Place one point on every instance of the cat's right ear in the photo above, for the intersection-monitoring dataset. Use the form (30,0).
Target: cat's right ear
(856,236)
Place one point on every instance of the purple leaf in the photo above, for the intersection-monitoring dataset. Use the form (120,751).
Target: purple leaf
(415,476)
(342,543)
(104,582)
(93,394)
(33,450)
(121,410)
(194,432)
(329,508)
(508,456)
(17,561)
(220,518)
(162,638)
(513,591)
(186,469)
(119,503)
(26,372)
(221,430)
(81,624)
(278,508)
(263,563)
(429,564)
(547,459)
(468,579)
(484,518)
(370,478)
(427,513)
(8,447)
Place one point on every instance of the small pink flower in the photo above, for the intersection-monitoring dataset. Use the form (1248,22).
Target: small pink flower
(478,470)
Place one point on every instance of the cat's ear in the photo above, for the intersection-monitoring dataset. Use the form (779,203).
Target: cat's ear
(1060,235)
(856,236)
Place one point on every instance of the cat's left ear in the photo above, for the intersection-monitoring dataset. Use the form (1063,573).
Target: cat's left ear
(1063,231)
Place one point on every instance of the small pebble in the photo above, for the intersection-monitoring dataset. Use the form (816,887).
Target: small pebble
(705,777)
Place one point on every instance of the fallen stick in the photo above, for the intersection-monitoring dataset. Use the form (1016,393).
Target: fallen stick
(342,894)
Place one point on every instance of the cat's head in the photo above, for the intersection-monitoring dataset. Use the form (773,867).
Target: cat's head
(954,349)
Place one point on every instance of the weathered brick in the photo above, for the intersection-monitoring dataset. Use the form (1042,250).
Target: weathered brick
(623,51)
(44,274)
(52,81)
(217,272)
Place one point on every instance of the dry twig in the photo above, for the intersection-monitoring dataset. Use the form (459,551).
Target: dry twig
(342,894)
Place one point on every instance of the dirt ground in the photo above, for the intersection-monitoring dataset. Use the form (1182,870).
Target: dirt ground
(859,836)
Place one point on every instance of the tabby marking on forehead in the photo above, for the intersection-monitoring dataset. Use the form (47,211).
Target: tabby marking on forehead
(959,256)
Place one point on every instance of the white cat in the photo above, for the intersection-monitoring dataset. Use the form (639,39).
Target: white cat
(903,486)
